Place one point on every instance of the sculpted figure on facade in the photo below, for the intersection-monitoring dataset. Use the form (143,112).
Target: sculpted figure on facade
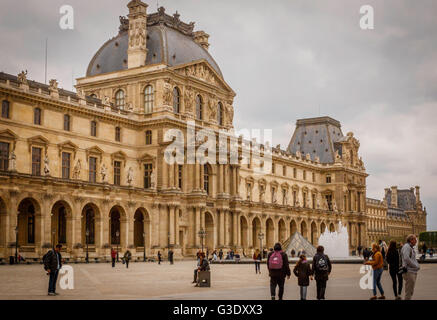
(106,101)
(167,95)
(22,77)
(286,197)
(76,170)
(53,85)
(153,179)
(189,100)
(230,113)
(13,161)
(130,176)
(103,172)
(262,193)
(46,165)
(212,107)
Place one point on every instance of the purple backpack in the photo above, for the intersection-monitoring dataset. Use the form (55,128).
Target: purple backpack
(275,261)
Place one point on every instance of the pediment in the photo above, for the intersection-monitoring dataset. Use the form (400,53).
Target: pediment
(94,150)
(8,134)
(146,156)
(118,155)
(38,140)
(67,145)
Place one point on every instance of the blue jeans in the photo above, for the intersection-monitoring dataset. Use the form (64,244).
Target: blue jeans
(377,281)
(303,293)
(53,277)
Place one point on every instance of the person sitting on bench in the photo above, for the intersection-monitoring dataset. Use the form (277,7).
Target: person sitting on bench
(203,265)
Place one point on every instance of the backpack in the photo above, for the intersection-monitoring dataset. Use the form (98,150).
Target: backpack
(45,257)
(275,261)
(321,263)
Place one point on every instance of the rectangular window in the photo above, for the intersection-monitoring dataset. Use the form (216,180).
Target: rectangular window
(148,137)
(36,161)
(328,178)
(180,176)
(314,177)
(284,171)
(66,165)
(148,175)
(304,175)
(5,109)
(66,122)
(37,116)
(92,170)
(93,129)
(4,156)
(117,134)
(117,173)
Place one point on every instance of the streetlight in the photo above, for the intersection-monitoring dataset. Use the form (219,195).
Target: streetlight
(87,233)
(202,235)
(16,244)
(261,237)
(144,246)
(117,234)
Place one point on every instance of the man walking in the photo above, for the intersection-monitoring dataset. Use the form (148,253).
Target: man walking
(409,265)
(170,256)
(113,256)
(127,256)
(52,264)
(321,268)
(277,264)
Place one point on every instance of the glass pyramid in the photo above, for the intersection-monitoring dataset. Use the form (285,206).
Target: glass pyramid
(299,244)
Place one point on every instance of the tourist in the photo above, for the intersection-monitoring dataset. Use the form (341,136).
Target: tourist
(126,258)
(410,266)
(202,265)
(237,257)
(303,272)
(277,264)
(170,256)
(377,264)
(214,255)
(52,264)
(221,254)
(431,252)
(321,270)
(113,256)
(393,259)
(424,249)
(293,253)
(359,249)
(159,257)
(257,259)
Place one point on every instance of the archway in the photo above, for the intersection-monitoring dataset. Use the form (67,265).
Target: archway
(209,228)
(322,227)
(244,232)
(28,210)
(314,239)
(293,227)
(331,227)
(282,231)
(303,228)
(142,231)
(61,224)
(91,223)
(256,230)
(270,233)
(117,226)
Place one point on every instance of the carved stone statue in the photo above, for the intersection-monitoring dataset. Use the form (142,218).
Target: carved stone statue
(212,106)
(53,85)
(249,192)
(106,101)
(130,106)
(130,176)
(22,77)
(13,161)
(262,193)
(153,179)
(189,100)
(298,154)
(334,206)
(286,197)
(76,170)
(167,95)
(318,203)
(46,165)
(230,111)
(103,172)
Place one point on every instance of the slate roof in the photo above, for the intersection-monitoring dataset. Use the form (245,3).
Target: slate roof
(406,199)
(318,137)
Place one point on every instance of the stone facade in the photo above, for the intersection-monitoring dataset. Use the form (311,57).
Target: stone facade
(87,169)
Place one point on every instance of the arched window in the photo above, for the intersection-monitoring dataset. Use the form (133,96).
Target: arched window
(119,99)
(149,97)
(148,137)
(37,116)
(199,107)
(220,114)
(206,174)
(176,100)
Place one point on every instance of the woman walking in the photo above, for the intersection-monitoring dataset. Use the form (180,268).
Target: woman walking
(257,259)
(393,259)
(377,264)
(159,257)
(303,272)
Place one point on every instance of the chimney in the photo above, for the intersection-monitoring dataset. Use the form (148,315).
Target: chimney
(137,50)
(201,37)
(417,194)
(394,197)
(387,190)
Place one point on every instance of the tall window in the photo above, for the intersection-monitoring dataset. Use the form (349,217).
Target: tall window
(328,178)
(294,197)
(66,165)
(148,99)
(351,154)
(93,128)
(329,200)
(199,107)
(31,224)
(119,99)
(176,100)
(220,114)
(148,137)
(273,168)
(206,174)
(117,173)
(4,156)
(92,169)
(5,109)
(66,122)
(117,134)
(148,175)
(36,161)
(180,176)
(37,116)
(304,204)
(62,225)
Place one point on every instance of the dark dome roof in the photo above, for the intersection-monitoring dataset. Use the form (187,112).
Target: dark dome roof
(164,44)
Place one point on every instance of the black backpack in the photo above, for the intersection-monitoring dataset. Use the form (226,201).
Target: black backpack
(321,263)
(46,257)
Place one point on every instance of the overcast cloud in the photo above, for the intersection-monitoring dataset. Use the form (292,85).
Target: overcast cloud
(285,60)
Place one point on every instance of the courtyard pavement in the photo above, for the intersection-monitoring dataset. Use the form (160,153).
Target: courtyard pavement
(152,281)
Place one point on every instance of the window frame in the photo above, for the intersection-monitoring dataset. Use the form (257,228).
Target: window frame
(66,165)
(37,116)
(120,99)
(149,137)
(36,165)
(149,99)
(92,174)
(117,172)
(117,134)
(4,157)
(199,107)
(93,128)
(220,114)
(148,169)
(67,122)
(6,109)
(176,100)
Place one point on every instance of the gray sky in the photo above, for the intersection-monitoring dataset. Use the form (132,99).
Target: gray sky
(285,59)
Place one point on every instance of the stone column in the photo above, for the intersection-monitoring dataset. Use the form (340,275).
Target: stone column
(221,214)
(220,178)
(227,234)
(237,181)
(235,229)
(176,213)
(171,228)
(226,179)
(197,176)
(197,226)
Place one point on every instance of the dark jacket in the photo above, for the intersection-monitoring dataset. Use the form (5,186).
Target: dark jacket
(282,273)
(127,255)
(51,261)
(204,265)
(393,260)
(303,272)
(318,274)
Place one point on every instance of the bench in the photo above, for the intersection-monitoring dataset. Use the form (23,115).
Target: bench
(204,279)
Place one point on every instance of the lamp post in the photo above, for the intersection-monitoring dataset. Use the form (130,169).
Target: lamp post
(16,244)
(202,235)
(117,234)
(261,237)
(87,233)
(144,246)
